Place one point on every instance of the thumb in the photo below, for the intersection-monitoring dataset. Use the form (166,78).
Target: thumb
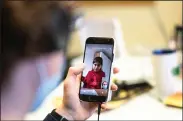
(71,78)
(76,70)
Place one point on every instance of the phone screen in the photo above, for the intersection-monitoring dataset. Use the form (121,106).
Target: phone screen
(96,75)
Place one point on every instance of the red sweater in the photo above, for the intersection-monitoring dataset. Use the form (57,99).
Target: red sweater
(93,79)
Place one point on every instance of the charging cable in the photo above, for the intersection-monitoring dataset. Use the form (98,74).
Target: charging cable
(99,109)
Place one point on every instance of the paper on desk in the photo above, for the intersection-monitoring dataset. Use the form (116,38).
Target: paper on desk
(143,107)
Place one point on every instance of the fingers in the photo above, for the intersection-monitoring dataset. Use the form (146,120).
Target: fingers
(115,70)
(114,87)
(74,71)
(90,106)
(104,106)
(72,75)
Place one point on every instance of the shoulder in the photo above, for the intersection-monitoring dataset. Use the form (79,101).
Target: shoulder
(89,72)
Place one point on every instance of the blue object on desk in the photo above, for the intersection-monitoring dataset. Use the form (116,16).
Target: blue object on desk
(163,51)
(47,86)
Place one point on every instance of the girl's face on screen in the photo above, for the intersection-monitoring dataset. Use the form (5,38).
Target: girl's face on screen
(97,67)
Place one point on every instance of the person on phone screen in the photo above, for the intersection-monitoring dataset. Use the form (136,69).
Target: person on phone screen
(94,77)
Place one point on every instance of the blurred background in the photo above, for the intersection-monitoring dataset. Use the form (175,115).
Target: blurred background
(139,28)
(148,24)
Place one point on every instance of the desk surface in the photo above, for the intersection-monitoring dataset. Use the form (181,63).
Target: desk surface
(143,107)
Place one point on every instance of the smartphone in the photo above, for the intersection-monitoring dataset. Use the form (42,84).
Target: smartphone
(95,79)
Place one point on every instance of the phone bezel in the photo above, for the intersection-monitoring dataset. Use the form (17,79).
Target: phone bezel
(97,40)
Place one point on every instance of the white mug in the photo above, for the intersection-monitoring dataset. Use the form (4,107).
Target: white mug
(163,61)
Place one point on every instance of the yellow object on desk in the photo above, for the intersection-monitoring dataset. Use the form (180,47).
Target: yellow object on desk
(174,100)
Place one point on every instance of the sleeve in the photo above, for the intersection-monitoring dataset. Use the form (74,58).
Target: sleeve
(103,74)
(53,116)
(85,78)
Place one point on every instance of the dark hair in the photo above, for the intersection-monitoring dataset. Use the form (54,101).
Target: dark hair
(98,60)
(31,28)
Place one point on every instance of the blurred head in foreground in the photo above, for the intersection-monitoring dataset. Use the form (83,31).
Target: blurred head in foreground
(32,32)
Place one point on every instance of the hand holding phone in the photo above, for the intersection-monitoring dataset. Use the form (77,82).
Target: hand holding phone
(71,107)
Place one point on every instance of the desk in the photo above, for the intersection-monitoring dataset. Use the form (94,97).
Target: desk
(143,107)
